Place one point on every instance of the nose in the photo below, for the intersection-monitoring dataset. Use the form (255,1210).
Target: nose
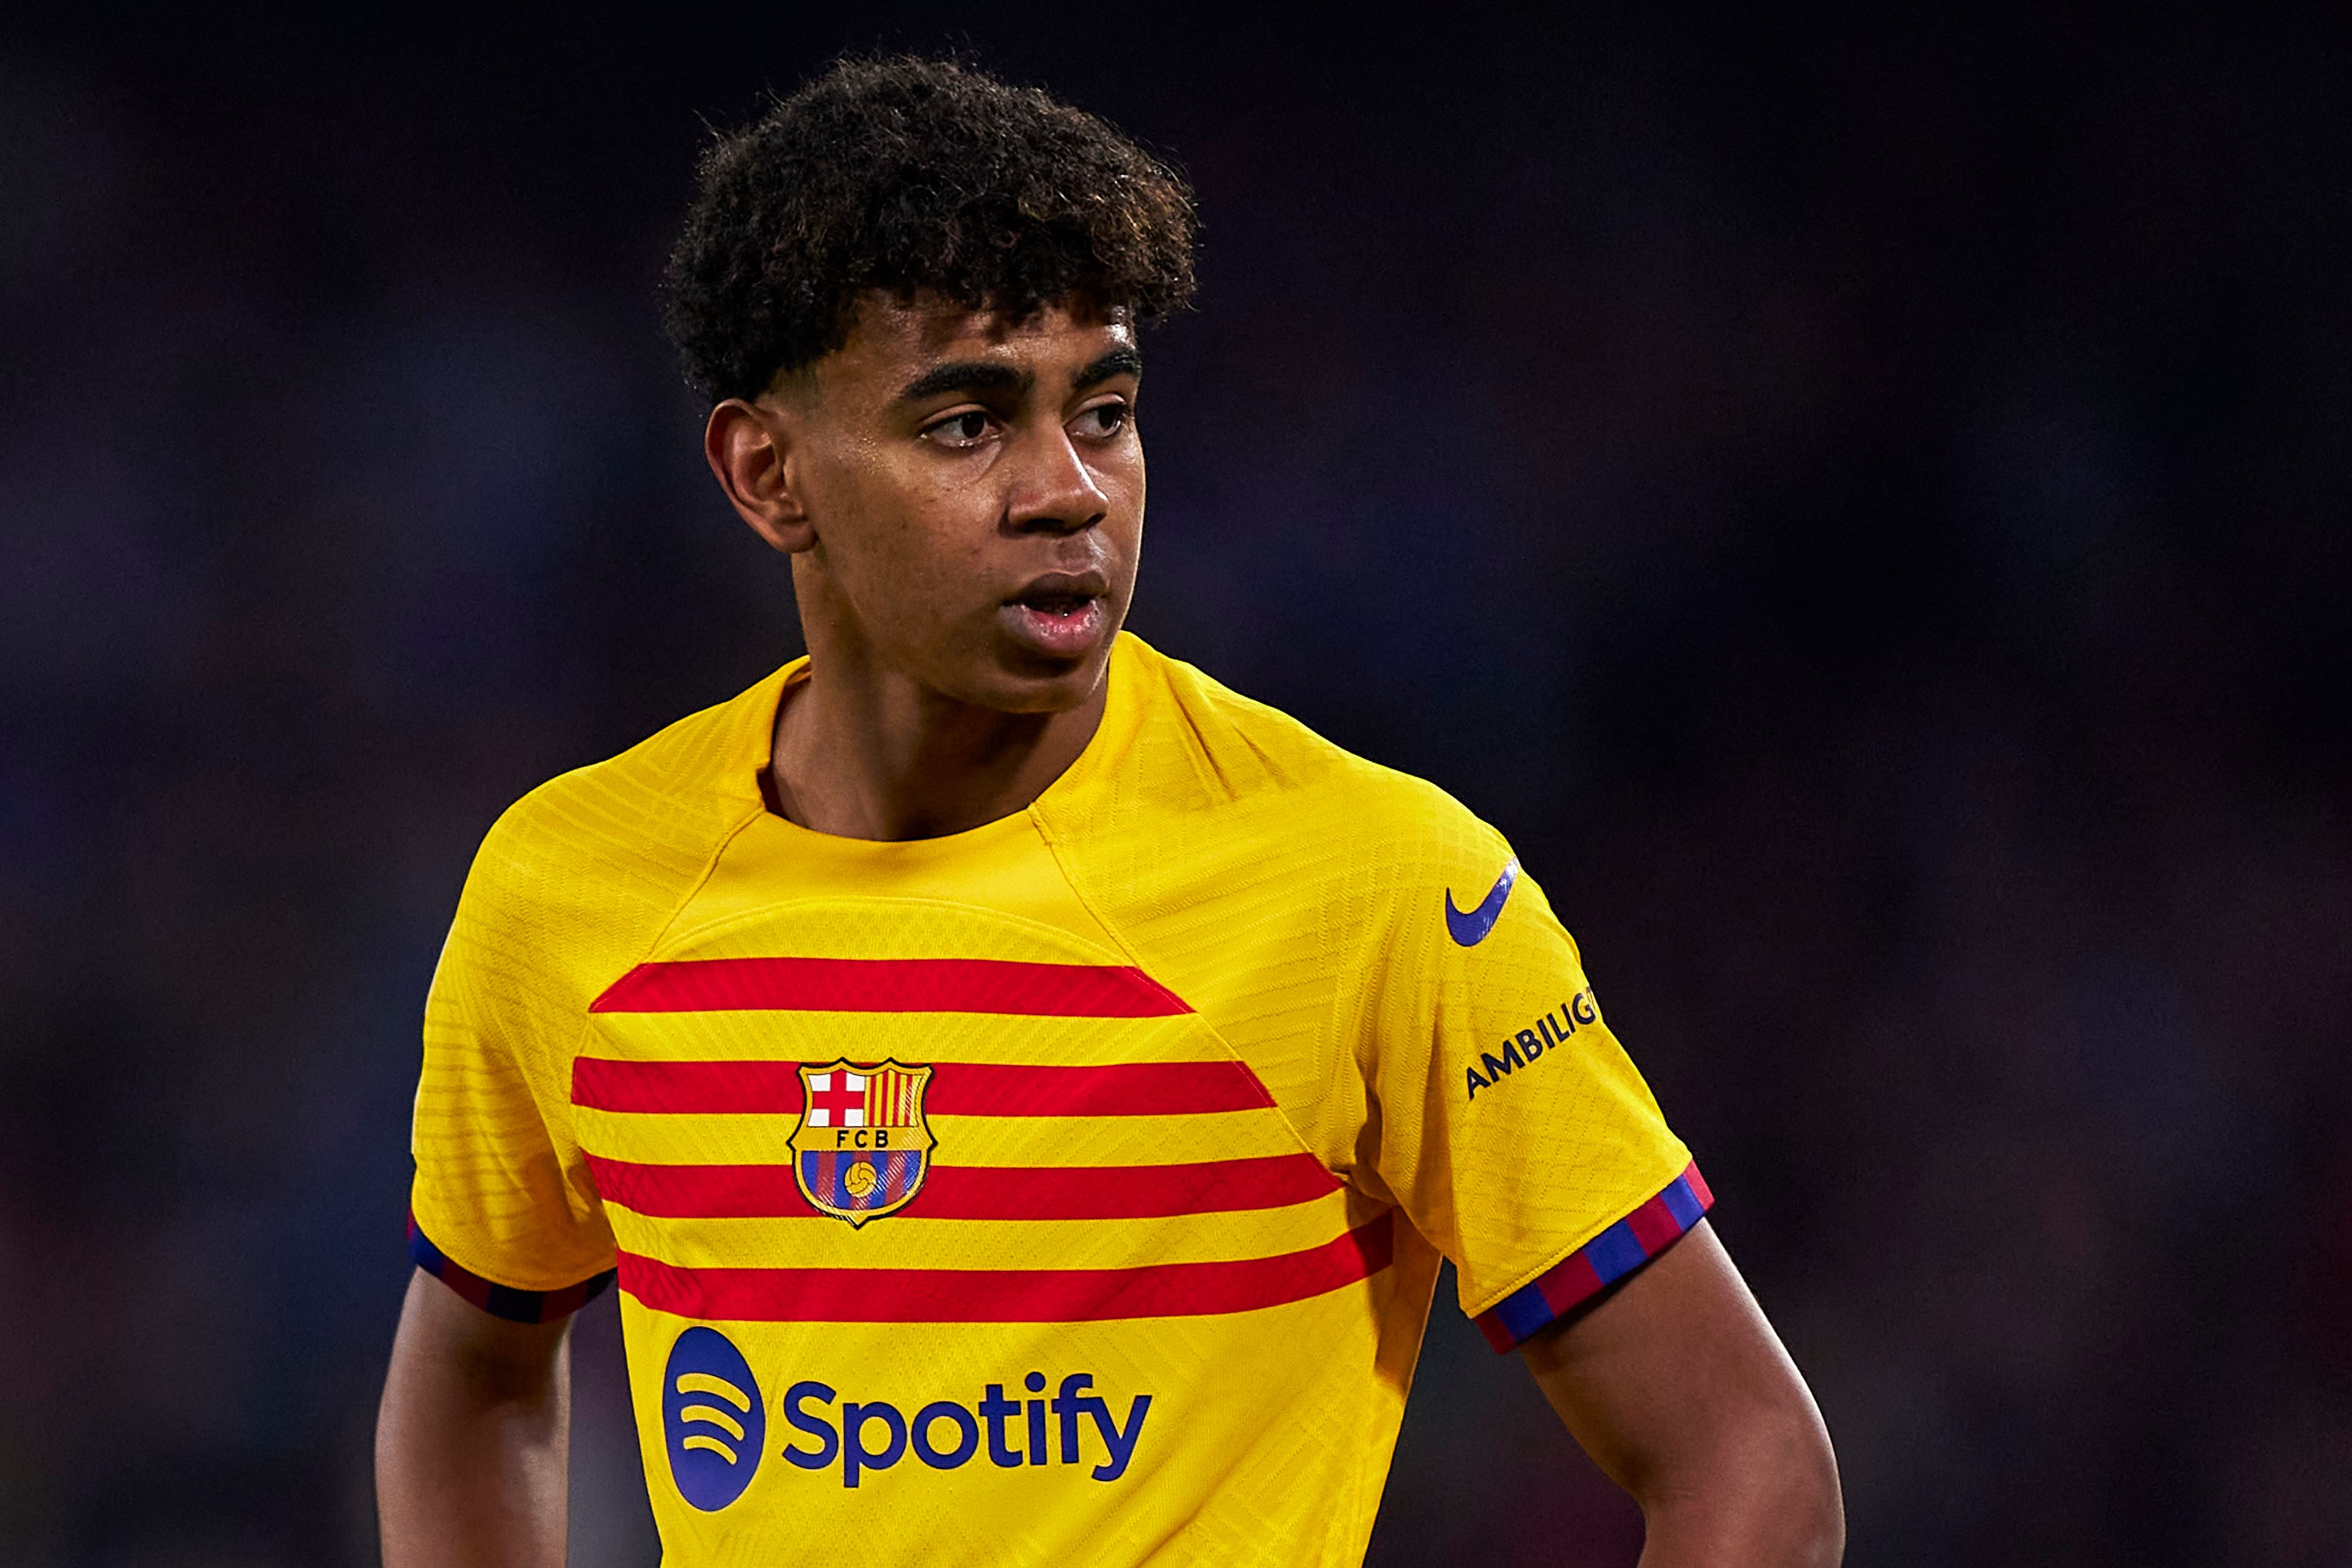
(1053,491)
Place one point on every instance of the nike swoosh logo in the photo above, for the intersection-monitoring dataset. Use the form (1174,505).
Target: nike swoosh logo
(1469,927)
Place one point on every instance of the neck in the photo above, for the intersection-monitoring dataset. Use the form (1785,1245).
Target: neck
(871,755)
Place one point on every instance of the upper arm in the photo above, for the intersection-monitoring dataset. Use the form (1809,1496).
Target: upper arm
(443,1334)
(1514,1131)
(472,1437)
(1680,1390)
(1506,1119)
(502,1211)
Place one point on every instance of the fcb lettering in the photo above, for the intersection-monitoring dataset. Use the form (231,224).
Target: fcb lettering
(1524,1047)
(947,1435)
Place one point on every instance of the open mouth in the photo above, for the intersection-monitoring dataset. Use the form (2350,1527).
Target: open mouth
(1060,613)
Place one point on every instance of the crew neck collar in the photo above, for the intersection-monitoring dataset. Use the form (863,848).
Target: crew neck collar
(753,738)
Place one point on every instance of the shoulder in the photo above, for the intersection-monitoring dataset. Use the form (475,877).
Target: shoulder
(593,856)
(1206,749)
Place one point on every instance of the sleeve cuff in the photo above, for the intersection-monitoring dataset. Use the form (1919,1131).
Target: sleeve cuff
(502,1301)
(1600,1263)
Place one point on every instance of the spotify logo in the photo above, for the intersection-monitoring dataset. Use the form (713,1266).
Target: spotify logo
(713,1421)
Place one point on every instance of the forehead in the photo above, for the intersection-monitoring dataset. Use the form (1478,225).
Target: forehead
(893,342)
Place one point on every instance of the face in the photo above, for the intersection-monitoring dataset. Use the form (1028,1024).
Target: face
(964,499)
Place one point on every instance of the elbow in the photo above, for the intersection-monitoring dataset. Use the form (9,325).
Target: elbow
(1797,1507)
(1820,1526)
(1764,1492)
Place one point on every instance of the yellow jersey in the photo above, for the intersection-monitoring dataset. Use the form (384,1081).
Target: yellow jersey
(1067,1190)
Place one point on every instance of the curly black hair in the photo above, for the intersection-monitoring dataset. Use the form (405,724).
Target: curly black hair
(904,175)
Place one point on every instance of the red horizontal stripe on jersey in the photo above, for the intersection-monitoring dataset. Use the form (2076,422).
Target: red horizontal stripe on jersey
(890,986)
(1008,1295)
(981,1192)
(1120,1192)
(957,1088)
(1121,1089)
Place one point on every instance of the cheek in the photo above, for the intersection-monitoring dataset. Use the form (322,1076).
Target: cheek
(1122,483)
(916,541)
(1119,470)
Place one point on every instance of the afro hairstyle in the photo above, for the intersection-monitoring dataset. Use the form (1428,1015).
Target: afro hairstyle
(907,176)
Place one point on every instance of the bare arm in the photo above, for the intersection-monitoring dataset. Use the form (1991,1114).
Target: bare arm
(1679,1389)
(473,1438)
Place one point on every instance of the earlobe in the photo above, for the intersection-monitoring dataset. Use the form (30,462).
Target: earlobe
(751,453)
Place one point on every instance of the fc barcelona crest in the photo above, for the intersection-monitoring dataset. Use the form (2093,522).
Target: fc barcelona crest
(863,1147)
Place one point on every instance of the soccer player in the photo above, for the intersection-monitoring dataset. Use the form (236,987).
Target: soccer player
(1026,1089)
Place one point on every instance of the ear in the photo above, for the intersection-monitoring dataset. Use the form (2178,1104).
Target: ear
(753,448)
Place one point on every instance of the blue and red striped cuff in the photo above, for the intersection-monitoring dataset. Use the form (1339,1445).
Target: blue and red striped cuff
(1600,1263)
(502,1301)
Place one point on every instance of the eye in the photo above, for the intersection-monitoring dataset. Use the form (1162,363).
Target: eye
(966,429)
(1103,420)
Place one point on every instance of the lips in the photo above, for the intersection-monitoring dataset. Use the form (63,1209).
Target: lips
(1060,615)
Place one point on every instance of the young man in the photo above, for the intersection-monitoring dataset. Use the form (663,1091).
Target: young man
(1024,1088)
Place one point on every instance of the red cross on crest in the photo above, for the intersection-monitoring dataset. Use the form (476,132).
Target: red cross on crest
(836,1105)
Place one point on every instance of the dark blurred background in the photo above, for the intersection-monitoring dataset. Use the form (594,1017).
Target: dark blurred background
(1863,507)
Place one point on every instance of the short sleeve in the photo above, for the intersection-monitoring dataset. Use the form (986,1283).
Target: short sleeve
(502,1211)
(1510,1124)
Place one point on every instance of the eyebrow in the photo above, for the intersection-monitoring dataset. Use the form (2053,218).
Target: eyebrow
(966,375)
(988,376)
(1122,361)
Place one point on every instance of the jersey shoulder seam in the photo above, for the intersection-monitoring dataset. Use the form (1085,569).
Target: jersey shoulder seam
(1119,941)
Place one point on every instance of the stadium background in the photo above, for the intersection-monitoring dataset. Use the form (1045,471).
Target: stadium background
(1864,508)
